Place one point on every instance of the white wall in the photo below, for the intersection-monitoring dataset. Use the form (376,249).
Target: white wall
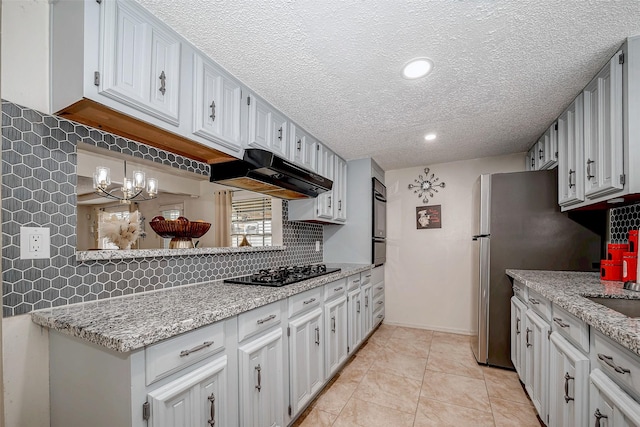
(428,273)
(25,53)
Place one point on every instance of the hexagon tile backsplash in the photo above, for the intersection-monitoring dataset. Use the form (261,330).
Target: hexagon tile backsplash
(38,190)
(622,220)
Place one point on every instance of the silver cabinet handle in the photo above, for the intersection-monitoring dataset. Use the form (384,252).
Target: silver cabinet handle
(329,201)
(266,319)
(380,302)
(561,323)
(589,176)
(338,289)
(534,301)
(356,281)
(366,301)
(299,143)
(571,173)
(567,377)
(318,335)
(379,288)
(339,205)
(259,385)
(517,326)
(212,401)
(609,361)
(379,316)
(598,416)
(163,83)
(213,110)
(358,305)
(309,301)
(280,133)
(333,324)
(527,338)
(205,344)
(533,162)
(541,155)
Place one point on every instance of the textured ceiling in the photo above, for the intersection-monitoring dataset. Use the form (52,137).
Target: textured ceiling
(504,70)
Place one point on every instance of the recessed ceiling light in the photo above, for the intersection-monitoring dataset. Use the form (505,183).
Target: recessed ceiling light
(416,68)
(430,136)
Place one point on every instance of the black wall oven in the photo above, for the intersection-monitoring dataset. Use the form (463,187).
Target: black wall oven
(379,231)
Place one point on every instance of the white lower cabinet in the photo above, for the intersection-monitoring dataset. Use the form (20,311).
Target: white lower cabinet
(354,324)
(335,319)
(195,399)
(367,309)
(261,366)
(609,405)
(306,358)
(537,361)
(568,384)
(518,310)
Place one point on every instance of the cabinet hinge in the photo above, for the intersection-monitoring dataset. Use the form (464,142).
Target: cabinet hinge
(248,100)
(289,410)
(96,78)
(146,411)
(288,331)
(622,179)
(621,58)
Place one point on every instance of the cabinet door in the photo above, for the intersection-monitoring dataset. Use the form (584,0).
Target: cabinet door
(279,137)
(195,399)
(609,405)
(261,381)
(571,154)
(537,361)
(340,190)
(518,310)
(140,61)
(335,327)
(367,311)
(303,147)
(354,308)
(531,158)
(547,147)
(603,131)
(568,384)
(267,128)
(306,358)
(326,167)
(217,104)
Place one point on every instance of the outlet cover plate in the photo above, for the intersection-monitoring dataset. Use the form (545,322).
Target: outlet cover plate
(35,243)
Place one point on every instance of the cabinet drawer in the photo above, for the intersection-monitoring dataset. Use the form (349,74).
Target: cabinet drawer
(540,304)
(378,316)
(259,319)
(365,277)
(619,363)
(570,327)
(378,300)
(378,289)
(335,289)
(176,353)
(353,281)
(305,301)
(520,291)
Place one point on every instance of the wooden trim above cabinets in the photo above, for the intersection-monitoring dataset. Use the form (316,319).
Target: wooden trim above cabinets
(96,115)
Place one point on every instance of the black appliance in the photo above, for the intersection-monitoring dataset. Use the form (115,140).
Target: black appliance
(283,275)
(263,172)
(379,222)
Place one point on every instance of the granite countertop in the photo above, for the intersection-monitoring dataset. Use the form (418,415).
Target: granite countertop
(568,289)
(133,321)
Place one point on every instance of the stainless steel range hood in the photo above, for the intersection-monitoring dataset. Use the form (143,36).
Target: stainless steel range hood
(264,172)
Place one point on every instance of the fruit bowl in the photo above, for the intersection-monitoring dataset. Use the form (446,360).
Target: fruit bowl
(180,230)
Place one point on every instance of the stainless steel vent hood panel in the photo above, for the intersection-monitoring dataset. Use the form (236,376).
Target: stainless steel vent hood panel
(264,172)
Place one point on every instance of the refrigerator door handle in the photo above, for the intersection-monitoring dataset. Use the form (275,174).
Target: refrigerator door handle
(477,236)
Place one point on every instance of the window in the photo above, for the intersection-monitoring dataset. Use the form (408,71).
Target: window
(170,212)
(251,218)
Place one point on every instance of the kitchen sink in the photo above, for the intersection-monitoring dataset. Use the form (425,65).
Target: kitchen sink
(628,307)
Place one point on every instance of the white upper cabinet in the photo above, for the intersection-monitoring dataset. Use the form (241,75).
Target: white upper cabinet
(326,167)
(570,154)
(268,128)
(603,130)
(340,190)
(140,61)
(303,148)
(531,158)
(217,104)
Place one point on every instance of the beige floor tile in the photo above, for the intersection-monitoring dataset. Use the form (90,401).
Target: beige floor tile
(356,368)
(413,334)
(313,417)
(388,390)
(370,352)
(411,348)
(456,389)
(401,364)
(455,363)
(511,414)
(335,396)
(432,413)
(504,384)
(362,413)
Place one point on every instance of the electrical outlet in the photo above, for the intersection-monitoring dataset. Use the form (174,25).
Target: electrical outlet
(35,243)
(317,245)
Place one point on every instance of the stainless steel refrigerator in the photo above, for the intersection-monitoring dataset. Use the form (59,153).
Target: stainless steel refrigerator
(518,224)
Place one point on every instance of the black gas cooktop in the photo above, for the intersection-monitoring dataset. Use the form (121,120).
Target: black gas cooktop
(283,275)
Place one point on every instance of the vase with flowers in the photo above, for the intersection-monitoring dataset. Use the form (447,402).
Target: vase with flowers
(122,232)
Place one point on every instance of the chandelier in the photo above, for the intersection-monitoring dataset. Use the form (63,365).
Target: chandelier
(136,189)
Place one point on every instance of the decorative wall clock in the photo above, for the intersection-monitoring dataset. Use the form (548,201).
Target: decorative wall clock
(426,186)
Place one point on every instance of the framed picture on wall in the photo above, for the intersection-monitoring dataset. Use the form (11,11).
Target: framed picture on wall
(428,217)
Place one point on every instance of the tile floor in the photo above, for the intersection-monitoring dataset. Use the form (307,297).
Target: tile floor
(413,377)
